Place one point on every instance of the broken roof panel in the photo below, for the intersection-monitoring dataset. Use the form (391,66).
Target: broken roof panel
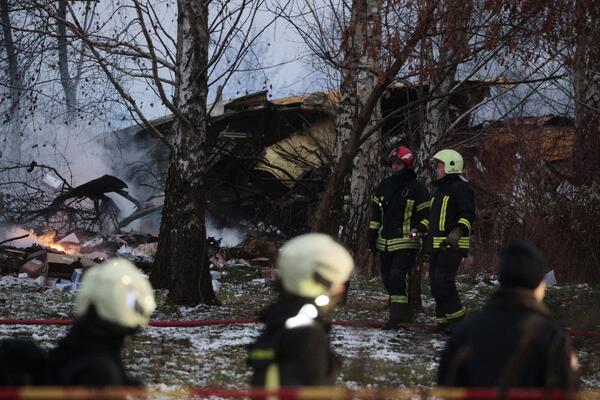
(292,157)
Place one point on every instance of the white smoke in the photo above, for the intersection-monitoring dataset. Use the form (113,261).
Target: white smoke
(228,236)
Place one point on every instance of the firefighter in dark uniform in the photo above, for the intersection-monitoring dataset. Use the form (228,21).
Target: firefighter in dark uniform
(114,301)
(400,203)
(451,216)
(294,349)
(512,342)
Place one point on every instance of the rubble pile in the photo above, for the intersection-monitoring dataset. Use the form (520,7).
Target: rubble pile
(251,253)
(60,262)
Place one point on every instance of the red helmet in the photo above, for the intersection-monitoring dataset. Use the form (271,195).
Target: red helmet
(402,154)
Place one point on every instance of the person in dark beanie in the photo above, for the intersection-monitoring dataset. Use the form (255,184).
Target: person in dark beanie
(512,342)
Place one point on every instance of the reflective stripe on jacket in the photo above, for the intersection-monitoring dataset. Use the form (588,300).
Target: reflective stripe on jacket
(452,205)
(400,202)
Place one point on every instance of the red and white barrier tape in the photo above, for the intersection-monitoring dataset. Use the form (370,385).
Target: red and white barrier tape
(299,393)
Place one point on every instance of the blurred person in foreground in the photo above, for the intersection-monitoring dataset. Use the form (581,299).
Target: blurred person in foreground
(513,341)
(114,302)
(294,347)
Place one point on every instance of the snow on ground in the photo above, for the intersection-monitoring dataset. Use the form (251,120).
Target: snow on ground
(216,355)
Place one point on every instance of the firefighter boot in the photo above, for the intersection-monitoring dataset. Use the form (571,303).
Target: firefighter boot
(452,324)
(441,325)
(399,313)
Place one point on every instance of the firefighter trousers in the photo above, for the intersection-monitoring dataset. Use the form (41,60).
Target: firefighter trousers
(443,267)
(395,269)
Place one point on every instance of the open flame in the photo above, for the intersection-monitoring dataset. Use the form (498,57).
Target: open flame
(48,239)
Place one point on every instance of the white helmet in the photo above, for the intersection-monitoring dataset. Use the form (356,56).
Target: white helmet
(313,264)
(453,161)
(120,293)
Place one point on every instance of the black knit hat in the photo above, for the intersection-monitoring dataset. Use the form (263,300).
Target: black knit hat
(521,265)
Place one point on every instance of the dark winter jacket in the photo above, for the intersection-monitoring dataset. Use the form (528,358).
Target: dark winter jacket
(512,342)
(90,355)
(296,354)
(22,363)
(400,203)
(452,205)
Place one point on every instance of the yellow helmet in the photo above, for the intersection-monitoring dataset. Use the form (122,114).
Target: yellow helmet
(453,161)
(119,291)
(313,264)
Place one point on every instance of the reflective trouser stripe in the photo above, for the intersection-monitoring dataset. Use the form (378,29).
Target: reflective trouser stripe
(457,314)
(443,213)
(262,354)
(398,299)
(441,320)
(272,379)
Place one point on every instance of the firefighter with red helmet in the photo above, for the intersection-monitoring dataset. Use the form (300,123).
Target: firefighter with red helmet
(400,203)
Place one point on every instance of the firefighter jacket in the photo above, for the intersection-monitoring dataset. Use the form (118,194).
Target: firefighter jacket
(401,201)
(90,354)
(512,342)
(293,349)
(452,205)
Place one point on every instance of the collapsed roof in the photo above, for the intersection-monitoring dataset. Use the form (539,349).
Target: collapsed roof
(267,157)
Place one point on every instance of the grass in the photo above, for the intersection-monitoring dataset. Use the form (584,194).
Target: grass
(217,355)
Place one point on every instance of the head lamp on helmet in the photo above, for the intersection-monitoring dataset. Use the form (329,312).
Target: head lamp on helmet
(313,265)
(453,161)
(120,293)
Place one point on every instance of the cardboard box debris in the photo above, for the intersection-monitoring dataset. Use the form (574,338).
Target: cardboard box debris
(33,268)
(45,266)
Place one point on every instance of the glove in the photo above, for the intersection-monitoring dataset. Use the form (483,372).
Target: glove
(452,240)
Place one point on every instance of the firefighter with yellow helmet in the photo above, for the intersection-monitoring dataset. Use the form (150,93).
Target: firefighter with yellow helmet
(449,225)
(114,301)
(294,347)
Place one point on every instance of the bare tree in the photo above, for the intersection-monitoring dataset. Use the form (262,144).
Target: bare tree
(586,82)
(328,216)
(179,70)
(14,83)
(452,36)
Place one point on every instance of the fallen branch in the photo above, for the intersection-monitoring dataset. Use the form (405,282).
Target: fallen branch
(15,238)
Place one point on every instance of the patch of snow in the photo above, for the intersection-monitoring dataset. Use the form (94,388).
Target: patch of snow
(13,281)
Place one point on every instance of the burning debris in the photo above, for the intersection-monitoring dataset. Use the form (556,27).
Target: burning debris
(60,261)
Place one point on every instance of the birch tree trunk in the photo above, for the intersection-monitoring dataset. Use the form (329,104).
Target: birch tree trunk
(364,59)
(66,81)
(586,146)
(14,131)
(181,263)
(442,72)
(330,210)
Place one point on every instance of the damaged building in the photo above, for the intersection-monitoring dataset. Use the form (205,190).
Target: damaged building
(268,158)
